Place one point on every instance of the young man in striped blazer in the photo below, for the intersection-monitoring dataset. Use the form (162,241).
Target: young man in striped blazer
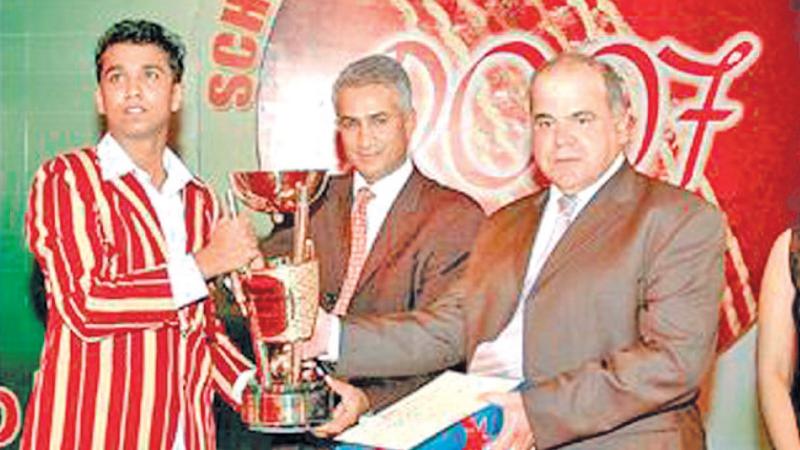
(127,238)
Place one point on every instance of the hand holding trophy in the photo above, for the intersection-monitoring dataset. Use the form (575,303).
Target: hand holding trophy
(280,302)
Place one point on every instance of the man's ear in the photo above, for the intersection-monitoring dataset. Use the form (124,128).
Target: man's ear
(624,125)
(98,102)
(177,97)
(410,123)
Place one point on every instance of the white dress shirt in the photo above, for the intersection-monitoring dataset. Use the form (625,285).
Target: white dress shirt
(185,279)
(502,357)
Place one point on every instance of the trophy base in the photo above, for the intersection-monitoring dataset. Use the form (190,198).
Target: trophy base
(287,409)
(279,430)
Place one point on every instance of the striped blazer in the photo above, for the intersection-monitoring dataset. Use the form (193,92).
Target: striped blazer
(119,362)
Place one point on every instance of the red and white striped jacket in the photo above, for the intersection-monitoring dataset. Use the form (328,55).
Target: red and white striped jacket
(119,361)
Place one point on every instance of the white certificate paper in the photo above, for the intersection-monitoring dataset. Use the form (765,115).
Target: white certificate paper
(445,400)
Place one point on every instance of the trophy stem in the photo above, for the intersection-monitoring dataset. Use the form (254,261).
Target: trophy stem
(295,355)
(261,360)
(298,257)
(262,353)
(300,225)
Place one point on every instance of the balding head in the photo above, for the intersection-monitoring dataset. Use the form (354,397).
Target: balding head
(616,94)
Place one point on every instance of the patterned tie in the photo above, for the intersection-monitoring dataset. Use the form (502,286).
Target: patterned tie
(358,249)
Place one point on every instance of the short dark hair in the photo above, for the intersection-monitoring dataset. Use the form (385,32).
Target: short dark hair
(142,32)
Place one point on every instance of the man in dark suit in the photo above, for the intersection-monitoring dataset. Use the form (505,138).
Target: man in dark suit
(600,292)
(415,234)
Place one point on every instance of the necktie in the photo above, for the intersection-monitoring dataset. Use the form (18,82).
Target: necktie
(566,208)
(358,250)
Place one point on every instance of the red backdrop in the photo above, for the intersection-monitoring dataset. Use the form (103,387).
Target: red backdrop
(714,86)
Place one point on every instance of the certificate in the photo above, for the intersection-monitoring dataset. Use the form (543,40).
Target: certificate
(445,400)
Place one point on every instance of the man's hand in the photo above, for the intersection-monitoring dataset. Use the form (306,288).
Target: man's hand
(516,433)
(233,244)
(318,344)
(354,403)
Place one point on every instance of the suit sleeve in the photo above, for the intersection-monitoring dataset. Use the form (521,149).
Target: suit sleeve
(443,262)
(408,343)
(63,232)
(446,252)
(681,287)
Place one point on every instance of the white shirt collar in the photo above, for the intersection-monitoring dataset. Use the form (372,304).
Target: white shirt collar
(584,196)
(387,187)
(115,162)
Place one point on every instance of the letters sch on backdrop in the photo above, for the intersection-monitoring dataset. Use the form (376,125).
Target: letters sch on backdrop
(236,50)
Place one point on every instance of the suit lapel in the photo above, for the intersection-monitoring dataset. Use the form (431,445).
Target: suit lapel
(512,249)
(520,242)
(339,202)
(592,223)
(398,228)
(196,224)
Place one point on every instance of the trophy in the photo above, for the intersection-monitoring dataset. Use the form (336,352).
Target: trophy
(280,302)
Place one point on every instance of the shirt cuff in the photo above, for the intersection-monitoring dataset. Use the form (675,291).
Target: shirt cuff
(240,384)
(186,280)
(334,340)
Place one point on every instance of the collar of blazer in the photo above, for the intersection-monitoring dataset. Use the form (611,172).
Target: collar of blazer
(131,191)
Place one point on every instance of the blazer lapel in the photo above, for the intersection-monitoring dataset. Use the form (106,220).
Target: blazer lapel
(591,223)
(197,218)
(132,191)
